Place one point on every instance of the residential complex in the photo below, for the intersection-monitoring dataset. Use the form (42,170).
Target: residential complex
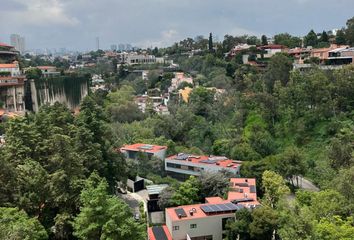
(12,88)
(207,220)
(132,151)
(183,165)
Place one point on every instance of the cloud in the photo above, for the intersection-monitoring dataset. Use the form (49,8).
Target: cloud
(40,13)
(75,23)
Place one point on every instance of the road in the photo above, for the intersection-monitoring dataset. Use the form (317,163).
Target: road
(133,199)
(306,184)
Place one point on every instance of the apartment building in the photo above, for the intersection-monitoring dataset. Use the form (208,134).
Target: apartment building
(11,88)
(132,151)
(183,165)
(207,220)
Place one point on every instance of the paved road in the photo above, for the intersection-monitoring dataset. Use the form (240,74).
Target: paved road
(306,184)
(133,199)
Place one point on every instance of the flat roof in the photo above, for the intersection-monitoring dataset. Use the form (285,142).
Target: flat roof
(142,147)
(242,194)
(243,190)
(155,189)
(206,160)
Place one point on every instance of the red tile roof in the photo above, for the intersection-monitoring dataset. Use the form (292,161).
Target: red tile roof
(223,162)
(142,147)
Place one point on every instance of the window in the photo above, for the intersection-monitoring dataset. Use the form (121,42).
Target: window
(173,165)
(175,228)
(191,168)
(193,225)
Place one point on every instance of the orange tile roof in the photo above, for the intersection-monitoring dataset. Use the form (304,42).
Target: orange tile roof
(226,163)
(139,147)
(8,65)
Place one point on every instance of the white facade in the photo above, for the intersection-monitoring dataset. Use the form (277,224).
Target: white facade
(197,227)
(141,59)
(178,79)
(195,169)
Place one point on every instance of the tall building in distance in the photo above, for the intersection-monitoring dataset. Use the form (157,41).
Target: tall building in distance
(114,47)
(97,43)
(18,42)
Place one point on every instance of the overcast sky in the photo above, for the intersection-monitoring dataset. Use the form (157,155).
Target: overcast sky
(74,24)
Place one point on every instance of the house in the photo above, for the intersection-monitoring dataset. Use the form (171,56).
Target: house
(207,220)
(270,50)
(183,165)
(48,71)
(239,48)
(153,196)
(133,58)
(299,54)
(12,88)
(323,53)
(7,53)
(341,56)
(131,151)
(179,78)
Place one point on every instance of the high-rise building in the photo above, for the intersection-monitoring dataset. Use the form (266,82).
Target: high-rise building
(114,47)
(18,42)
(121,47)
(97,43)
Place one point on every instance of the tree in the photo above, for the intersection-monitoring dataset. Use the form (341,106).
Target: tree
(210,43)
(264,224)
(291,164)
(274,188)
(264,40)
(287,40)
(349,32)
(324,37)
(213,184)
(33,73)
(187,193)
(311,39)
(279,69)
(240,229)
(340,37)
(103,216)
(16,225)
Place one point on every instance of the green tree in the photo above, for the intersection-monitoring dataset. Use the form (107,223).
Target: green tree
(349,32)
(240,229)
(291,164)
(324,37)
(187,193)
(15,224)
(340,37)
(210,43)
(287,40)
(103,216)
(264,224)
(311,39)
(274,188)
(264,40)
(278,69)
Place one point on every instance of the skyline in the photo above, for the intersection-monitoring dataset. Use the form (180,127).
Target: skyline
(76,24)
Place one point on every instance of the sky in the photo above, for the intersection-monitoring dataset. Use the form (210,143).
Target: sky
(75,24)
